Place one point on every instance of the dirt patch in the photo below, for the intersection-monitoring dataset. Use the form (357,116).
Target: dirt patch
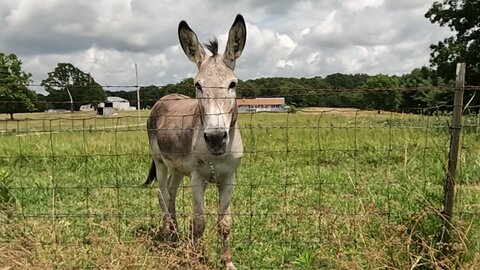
(332,110)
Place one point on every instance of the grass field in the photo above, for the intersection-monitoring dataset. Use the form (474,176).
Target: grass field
(318,190)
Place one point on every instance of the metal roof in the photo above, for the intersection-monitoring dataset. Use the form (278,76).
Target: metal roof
(260,101)
(116,99)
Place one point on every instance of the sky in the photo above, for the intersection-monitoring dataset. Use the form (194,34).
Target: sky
(297,38)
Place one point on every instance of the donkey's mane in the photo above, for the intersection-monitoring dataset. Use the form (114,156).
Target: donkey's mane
(212,46)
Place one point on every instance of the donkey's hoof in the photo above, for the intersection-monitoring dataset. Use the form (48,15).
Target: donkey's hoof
(230,266)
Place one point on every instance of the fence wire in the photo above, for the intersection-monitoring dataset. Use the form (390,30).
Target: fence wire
(317,188)
(246,92)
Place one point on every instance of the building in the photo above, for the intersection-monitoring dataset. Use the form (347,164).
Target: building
(261,104)
(105,109)
(118,103)
(87,108)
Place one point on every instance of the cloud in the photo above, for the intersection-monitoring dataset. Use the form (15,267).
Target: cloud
(284,38)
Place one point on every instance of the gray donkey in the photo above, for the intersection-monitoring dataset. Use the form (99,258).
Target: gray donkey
(199,137)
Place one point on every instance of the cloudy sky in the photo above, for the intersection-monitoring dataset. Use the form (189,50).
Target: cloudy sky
(297,38)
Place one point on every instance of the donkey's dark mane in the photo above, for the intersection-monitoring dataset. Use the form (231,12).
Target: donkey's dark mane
(212,46)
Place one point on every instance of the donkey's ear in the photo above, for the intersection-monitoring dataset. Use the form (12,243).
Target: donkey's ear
(237,37)
(190,45)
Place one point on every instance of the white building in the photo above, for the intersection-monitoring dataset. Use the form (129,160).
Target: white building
(87,108)
(118,103)
(261,104)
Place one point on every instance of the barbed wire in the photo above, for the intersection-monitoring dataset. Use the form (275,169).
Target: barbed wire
(291,94)
(396,88)
(312,90)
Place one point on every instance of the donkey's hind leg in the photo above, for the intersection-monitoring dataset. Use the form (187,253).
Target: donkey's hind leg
(164,197)
(174,180)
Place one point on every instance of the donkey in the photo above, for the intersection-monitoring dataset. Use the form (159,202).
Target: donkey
(199,137)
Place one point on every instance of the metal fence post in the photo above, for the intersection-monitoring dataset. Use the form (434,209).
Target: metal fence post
(449,186)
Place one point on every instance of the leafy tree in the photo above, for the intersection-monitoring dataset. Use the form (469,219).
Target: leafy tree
(463,18)
(15,96)
(184,87)
(68,80)
(346,81)
(148,96)
(295,92)
(316,83)
(346,98)
(379,96)
(247,89)
(42,104)
(433,91)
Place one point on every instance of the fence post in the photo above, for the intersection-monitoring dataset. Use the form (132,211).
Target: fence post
(449,186)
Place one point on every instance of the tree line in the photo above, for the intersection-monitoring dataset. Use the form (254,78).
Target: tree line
(432,85)
(422,87)
(67,86)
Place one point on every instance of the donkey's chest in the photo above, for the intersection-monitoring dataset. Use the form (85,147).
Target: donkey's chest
(207,168)
(212,170)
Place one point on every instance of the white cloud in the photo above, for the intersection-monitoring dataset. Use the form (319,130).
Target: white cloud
(284,38)
(358,5)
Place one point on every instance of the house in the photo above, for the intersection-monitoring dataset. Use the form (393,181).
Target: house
(261,104)
(118,103)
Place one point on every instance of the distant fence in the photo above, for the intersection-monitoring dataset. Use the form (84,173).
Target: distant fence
(317,188)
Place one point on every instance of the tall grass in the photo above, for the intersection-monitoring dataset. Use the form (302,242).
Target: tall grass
(329,190)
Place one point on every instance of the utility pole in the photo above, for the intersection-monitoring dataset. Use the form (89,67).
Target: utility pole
(138,92)
(71,99)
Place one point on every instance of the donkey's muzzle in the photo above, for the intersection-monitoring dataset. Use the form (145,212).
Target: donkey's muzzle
(216,142)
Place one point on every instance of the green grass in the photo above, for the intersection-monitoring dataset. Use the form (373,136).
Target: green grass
(338,190)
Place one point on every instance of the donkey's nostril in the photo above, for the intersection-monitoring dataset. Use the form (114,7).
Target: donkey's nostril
(207,137)
(216,141)
(214,138)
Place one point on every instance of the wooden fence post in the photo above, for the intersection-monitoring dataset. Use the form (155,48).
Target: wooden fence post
(449,186)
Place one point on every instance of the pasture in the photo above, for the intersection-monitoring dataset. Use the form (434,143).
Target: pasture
(318,190)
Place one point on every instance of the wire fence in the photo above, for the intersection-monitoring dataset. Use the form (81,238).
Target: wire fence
(317,188)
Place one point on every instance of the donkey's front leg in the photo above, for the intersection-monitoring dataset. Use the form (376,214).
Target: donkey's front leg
(197,185)
(225,190)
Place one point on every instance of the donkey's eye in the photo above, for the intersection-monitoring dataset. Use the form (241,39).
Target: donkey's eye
(232,85)
(198,86)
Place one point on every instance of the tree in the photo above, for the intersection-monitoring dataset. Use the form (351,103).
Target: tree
(379,96)
(346,81)
(41,104)
(431,91)
(67,80)
(150,94)
(463,18)
(184,87)
(15,96)
(246,89)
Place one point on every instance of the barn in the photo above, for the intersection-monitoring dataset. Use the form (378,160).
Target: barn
(261,104)
(118,103)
